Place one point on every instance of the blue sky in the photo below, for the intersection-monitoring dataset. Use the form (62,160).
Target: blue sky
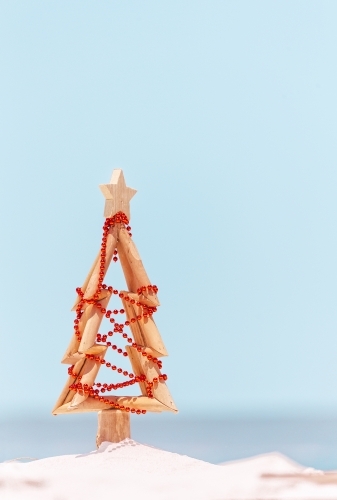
(222,115)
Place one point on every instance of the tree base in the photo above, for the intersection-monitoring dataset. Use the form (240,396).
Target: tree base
(113,426)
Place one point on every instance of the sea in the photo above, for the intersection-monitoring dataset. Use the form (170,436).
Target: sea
(309,441)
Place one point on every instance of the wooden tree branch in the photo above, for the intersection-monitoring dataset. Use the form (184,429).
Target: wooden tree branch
(93,405)
(127,271)
(90,284)
(73,346)
(142,366)
(145,331)
(110,247)
(140,277)
(88,373)
(87,279)
(92,318)
(67,395)
(73,358)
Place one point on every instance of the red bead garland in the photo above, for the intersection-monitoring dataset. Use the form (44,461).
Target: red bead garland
(147,311)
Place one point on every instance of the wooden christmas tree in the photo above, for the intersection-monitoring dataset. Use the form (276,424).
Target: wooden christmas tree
(88,347)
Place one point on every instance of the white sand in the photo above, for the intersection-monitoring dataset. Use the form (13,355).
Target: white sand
(134,471)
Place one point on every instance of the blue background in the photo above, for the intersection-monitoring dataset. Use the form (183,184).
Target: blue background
(223,117)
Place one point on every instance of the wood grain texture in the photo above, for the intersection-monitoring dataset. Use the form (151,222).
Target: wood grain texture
(142,366)
(72,359)
(92,405)
(91,318)
(117,195)
(113,426)
(111,244)
(90,284)
(95,349)
(140,277)
(66,394)
(127,271)
(74,343)
(89,374)
(144,331)
(87,279)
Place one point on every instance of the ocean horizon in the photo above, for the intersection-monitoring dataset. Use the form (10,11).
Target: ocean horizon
(309,441)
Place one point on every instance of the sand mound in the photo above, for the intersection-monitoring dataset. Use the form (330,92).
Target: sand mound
(132,470)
